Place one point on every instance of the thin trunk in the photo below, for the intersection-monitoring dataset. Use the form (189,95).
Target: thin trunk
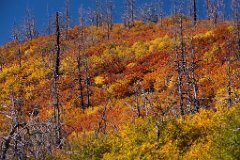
(179,65)
(19,57)
(87,82)
(195,12)
(229,81)
(132,12)
(57,123)
(109,17)
(81,97)
(67,19)
(182,46)
(194,82)
(179,79)
(136,97)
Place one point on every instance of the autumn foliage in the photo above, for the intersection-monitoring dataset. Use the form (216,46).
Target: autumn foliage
(132,83)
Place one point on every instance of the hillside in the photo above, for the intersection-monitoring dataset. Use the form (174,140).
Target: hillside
(119,96)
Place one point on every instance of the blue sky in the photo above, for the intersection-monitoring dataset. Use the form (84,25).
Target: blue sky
(16,9)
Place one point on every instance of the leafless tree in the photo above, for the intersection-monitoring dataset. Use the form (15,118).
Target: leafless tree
(55,98)
(235,15)
(16,37)
(1,60)
(87,80)
(149,12)
(179,79)
(29,25)
(160,11)
(137,93)
(229,82)
(215,10)
(66,19)
(109,16)
(180,53)
(99,17)
(80,79)
(193,11)
(193,78)
(82,19)
(49,25)
(129,13)
(26,138)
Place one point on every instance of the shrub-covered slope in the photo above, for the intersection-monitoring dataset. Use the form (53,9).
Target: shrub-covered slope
(131,80)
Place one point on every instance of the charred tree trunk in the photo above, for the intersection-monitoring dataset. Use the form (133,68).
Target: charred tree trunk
(67,19)
(182,45)
(109,17)
(16,37)
(129,13)
(229,90)
(136,96)
(180,64)
(193,77)
(80,85)
(194,12)
(19,57)
(87,82)
(235,13)
(57,122)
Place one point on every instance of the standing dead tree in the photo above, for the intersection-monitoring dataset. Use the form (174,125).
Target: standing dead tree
(160,11)
(80,79)
(87,80)
(193,11)
(55,98)
(180,54)
(109,17)
(29,26)
(26,138)
(66,24)
(16,37)
(236,19)
(80,60)
(149,12)
(99,16)
(229,83)
(193,78)
(215,10)
(137,93)
(49,25)
(187,87)
(129,13)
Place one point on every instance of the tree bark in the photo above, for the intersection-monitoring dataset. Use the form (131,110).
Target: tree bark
(80,85)
(57,122)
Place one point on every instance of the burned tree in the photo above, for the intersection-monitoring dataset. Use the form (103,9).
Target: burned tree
(160,11)
(215,10)
(16,37)
(193,78)
(149,13)
(80,79)
(49,25)
(180,54)
(87,81)
(109,17)
(229,82)
(55,94)
(129,13)
(80,66)
(29,26)
(193,11)
(99,13)
(235,13)
(66,19)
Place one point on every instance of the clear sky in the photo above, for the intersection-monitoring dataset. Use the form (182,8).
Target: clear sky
(16,9)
